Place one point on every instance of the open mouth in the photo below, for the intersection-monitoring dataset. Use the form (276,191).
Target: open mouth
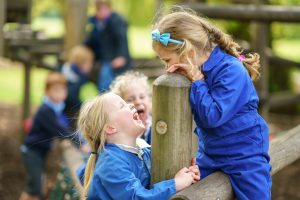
(136,116)
(140,111)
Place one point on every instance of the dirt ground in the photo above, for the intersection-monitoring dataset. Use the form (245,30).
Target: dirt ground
(12,177)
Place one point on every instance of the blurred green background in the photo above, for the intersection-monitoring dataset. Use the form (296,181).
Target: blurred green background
(140,14)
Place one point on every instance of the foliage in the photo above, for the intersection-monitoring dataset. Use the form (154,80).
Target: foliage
(49,8)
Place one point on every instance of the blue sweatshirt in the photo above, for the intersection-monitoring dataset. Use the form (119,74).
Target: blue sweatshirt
(120,174)
(49,123)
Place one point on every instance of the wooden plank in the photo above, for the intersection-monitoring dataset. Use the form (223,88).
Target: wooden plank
(284,98)
(284,150)
(172,121)
(265,13)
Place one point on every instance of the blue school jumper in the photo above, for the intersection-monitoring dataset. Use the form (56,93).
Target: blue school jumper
(233,137)
(120,174)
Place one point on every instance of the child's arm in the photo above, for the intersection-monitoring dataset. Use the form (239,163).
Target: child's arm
(228,94)
(120,182)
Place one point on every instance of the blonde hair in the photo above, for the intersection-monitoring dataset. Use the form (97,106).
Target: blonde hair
(121,83)
(80,54)
(55,78)
(195,31)
(91,121)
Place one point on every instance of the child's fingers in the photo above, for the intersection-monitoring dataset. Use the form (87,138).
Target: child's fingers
(185,170)
(172,69)
(175,67)
(193,162)
(196,177)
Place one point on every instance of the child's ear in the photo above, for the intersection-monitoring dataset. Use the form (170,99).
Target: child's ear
(110,129)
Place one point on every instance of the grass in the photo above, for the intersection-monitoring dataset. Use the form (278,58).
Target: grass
(11,85)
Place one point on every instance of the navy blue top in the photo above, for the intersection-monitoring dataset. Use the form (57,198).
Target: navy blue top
(225,102)
(120,174)
(75,79)
(46,126)
(108,39)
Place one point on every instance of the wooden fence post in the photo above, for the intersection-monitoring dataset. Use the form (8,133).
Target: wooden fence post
(260,44)
(75,21)
(2,22)
(172,137)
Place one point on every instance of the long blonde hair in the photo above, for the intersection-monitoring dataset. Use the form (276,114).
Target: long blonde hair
(91,121)
(195,31)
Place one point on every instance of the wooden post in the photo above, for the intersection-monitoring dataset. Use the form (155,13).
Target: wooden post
(260,42)
(26,94)
(284,150)
(172,126)
(75,21)
(2,22)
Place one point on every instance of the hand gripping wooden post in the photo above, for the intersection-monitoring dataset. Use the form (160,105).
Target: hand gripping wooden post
(173,143)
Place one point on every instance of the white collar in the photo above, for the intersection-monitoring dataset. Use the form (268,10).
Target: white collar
(135,150)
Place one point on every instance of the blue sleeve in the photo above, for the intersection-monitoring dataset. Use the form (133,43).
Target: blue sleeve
(49,121)
(227,95)
(121,183)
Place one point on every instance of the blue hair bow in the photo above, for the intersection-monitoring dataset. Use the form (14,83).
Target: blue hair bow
(164,38)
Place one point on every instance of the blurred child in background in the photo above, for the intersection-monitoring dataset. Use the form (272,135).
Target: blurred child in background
(76,71)
(133,88)
(49,123)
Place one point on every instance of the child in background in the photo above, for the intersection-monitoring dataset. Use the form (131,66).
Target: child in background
(233,137)
(76,72)
(48,123)
(133,88)
(117,168)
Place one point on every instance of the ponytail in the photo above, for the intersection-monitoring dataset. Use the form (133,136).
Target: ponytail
(225,41)
(91,121)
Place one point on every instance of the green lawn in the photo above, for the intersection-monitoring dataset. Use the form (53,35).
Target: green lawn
(11,86)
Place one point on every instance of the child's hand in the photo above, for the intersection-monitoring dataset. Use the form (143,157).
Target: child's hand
(195,169)
(118,62)
(183,179)
(191,72)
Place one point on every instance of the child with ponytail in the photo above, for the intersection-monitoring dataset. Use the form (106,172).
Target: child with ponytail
(117,168)
(233,137)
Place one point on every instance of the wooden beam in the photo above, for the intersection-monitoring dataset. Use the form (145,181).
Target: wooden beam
(265,13)
(282,99)
(284,150)
(2,22)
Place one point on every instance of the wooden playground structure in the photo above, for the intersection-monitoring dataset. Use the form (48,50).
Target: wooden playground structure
(169,119)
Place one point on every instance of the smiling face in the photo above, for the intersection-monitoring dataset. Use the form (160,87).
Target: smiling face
(123,117)
(137,95)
